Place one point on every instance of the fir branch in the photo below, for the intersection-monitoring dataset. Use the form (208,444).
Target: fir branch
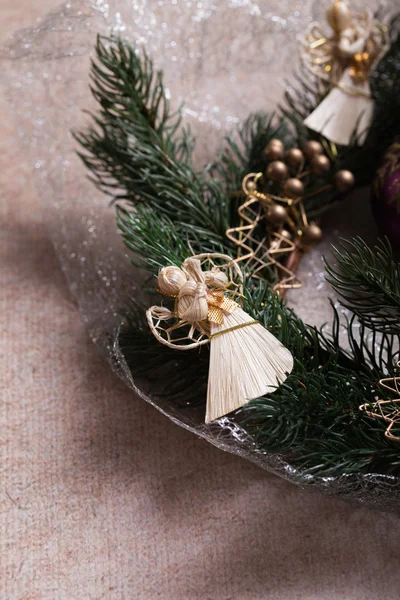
(135,149)
(313,421)
(243,151)
(137,152)
(368,283)
(156,241)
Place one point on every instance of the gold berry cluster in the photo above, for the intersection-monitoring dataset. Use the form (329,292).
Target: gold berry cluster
(282,187)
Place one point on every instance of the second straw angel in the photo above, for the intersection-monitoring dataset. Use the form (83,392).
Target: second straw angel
(344,58)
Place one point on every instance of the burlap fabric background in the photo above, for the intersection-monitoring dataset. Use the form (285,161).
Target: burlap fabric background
(101,497)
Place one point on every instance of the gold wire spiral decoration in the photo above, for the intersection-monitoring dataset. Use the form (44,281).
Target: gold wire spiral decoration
(274,231)
(388,410)
(260,254)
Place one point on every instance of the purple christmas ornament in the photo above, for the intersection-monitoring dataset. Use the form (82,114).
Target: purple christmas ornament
(386,195)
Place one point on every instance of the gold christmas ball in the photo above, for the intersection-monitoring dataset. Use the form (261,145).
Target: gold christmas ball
(293,188)
(251,186)
(277,171)
(274,149)
(310,234)
(344,180)
(294,158)
(277,214)
(312,148)
(320,164)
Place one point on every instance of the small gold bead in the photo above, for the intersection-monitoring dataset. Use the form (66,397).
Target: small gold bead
(312,148)
(276,142)
(251,186)
(286,234)
(294,158)
(310,234)
(274,149)
(320,164)
(277,171)
(277,214)
(293,188)
(344,180)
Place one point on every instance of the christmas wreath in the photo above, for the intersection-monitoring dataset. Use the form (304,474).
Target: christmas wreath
(221,247)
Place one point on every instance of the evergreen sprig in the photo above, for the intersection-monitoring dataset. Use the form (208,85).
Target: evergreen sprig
(368,283)
(138,153)
(136,150)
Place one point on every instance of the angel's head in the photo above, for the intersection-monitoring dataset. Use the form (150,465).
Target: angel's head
(339,16)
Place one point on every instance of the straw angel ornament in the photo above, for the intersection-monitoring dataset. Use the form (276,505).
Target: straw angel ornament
(344,59)
(246,360)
